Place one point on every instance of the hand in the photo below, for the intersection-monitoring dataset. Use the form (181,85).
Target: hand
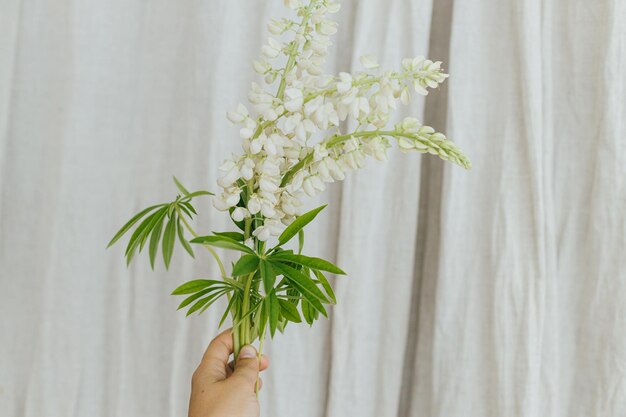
(217,390)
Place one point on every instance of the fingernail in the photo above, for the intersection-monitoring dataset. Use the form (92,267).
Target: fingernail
(247,352)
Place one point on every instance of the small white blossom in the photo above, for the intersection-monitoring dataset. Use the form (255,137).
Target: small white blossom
(239,115)
(369,61)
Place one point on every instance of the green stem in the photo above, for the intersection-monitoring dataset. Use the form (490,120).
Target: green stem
(241,333)
(258,377)
(291,60)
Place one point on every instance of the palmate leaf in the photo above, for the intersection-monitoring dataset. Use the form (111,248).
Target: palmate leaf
(151,227)
(138,238)
(131,222)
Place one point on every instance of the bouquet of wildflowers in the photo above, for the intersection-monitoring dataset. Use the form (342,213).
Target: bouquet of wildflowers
(294,142)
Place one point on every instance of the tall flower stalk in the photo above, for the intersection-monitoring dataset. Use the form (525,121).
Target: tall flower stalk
(294,142)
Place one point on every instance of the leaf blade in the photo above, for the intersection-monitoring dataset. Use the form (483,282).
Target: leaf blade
(298,225)
(131,222)
(247,264)
(301,282)
(222,242)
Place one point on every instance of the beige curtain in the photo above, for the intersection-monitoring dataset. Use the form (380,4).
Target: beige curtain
(495,292)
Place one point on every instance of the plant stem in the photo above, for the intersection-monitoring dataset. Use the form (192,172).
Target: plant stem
(258,377)
(241,333)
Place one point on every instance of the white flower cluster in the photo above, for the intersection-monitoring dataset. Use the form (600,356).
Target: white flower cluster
(292,142)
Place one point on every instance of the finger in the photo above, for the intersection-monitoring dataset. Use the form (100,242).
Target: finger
(247,367)
(265,363)
(215,359)
(260,384)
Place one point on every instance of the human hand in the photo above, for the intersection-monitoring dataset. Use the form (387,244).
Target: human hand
(217,390)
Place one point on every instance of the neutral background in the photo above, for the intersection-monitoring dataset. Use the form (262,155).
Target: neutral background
(495,292)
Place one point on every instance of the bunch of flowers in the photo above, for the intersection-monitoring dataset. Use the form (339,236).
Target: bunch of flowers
(295,141)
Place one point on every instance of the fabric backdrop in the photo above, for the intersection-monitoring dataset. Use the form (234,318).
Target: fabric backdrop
(499,291)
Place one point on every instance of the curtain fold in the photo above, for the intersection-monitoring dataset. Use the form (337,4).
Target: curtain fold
(492,292)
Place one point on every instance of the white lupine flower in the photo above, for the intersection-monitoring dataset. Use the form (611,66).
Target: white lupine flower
(282,159)
(294,99)
(410,124)
(270,228)
(405,98)
(333,7)
(272,49)
(239,115)
(336,171)
(369,61)
(247,169)
(405,144)
(239,214)
(345,83)
(277,27)
(231,174)
(419,88)
(262,67)
(267,184)
(296,182)
(328,27)
(293,4)
(254,204)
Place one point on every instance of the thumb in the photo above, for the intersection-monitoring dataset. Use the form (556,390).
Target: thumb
(247,366)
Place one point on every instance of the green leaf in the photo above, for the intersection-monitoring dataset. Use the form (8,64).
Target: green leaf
(308,312)
(313,263)
(155,238)
(289,311)
(247,264)
(196,194)
(184,209)
(138,235)
(274,311)
(131,222)
(222,242)
(205,303)
(169,237)
(267,275)
(301,282)
(229,307)
(298,225)
(183,241)
(196,285)
(300,241)
(194,297)
(189,207)
(180,187)
(232,235)
(261,318)
(148,230)
(327,287)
